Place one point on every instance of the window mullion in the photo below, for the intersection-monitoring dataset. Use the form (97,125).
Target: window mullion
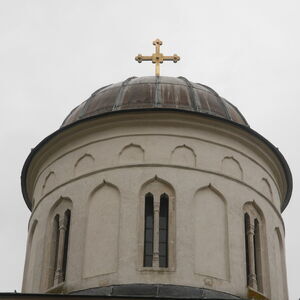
(60,255)
(250,237)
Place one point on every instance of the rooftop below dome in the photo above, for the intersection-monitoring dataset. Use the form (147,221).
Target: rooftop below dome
(156,92)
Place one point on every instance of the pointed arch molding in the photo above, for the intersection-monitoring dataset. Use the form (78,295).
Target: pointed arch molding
(184,155)
(232,167)
(60,205)
(266,189)
(252,208)
(210,233)
(49,182)
(102,231)
(160,183)
(132,153)
(84,164)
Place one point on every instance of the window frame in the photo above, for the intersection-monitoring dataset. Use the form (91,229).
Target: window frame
(157,188)
(60,216)
(256,227)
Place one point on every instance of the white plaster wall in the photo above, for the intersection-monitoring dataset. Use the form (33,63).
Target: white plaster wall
(188,152)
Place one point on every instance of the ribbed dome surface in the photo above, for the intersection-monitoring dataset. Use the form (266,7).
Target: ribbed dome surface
(138,93)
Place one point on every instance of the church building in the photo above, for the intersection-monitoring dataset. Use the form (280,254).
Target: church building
(155,187)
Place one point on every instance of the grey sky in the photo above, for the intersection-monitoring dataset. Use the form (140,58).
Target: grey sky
(55,53)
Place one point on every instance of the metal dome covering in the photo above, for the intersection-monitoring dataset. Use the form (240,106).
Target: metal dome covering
(156,92)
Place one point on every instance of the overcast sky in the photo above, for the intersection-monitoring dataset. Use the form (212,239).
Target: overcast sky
(55,53)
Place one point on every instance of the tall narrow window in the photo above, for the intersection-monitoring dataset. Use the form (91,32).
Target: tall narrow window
(247,225)
(253,248)
(149,226)
(257,255)
(163,230)
(56,240)
(67,219)
(59,248)
(157,219)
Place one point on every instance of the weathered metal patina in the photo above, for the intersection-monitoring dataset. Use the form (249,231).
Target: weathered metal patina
(156,92)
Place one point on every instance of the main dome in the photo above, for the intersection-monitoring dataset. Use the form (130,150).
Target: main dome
(156,92)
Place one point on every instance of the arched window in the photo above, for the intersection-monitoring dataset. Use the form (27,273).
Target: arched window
(54,247)
(57,244)
(61,237)
(158,233)
(253,248)
(156,220)
(67,219)
(163,230)
(257,255)
(247,225)
(149,226)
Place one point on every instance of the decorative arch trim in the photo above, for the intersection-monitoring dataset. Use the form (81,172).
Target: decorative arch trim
(160,180)
(61,199)
(253,204)
(82,157)
(138,156)
(102,221)
(268,185)
(191,150)
(236,162)
(102,184)
(213,189)
(185,146)
(50,175)
(132,145)
(210,211)
(84,164)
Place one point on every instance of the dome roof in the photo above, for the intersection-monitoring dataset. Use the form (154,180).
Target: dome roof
(156,92)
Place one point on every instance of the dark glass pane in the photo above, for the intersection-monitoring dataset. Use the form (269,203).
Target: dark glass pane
(149,221)
(247,224)
(163,236)
(148,249)
(163,230)
(148,261)
(162,248)
(163,262)
(257,255)
(163,222)
(67,220)
(54,248)
(148,234)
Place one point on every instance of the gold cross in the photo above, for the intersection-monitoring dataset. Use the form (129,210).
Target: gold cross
(157,58)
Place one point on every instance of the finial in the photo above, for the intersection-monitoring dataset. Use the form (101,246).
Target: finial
(157,58)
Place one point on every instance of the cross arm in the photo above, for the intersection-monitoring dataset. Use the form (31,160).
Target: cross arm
(141,58)
(175,58)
